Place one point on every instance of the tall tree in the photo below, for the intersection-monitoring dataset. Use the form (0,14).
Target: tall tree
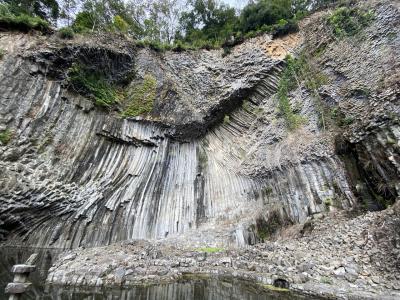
(264,12)
(102,14)
(208,19)
(46,9)
(68,9)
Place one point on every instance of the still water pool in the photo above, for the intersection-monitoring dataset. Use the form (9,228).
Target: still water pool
(193,289)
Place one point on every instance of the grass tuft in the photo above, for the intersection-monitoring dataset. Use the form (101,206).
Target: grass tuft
(210,249)
(66,33)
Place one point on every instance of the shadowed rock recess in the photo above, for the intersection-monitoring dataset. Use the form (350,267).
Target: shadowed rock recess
(213,162)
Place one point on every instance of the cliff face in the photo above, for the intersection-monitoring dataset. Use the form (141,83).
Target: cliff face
(74,174)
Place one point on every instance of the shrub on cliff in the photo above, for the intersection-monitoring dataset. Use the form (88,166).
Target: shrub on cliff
(349,21)
(22,22)
(93,85)
(66,33)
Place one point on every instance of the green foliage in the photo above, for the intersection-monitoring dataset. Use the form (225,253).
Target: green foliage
(284,27)
(66,33)
(120,24)
(268,190)
(111,15)
(2,53)
(349,21)
(210,25)
(43,9)
(84,21)
(328,202)
(210,249)
(21,21)
(286,84)
(300,71)
(141,98)
(341,119)
(226,119)
(208,20)
(5,136)
(180,46)
(264,12)
(94,85)
(267,228)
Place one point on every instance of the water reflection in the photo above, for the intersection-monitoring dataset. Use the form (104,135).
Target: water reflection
(195,289)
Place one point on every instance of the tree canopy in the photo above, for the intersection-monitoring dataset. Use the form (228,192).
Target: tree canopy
(168,21)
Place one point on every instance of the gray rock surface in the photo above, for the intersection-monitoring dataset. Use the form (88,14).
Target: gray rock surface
(344,255)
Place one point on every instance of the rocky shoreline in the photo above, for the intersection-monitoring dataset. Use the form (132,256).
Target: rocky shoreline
(337,255)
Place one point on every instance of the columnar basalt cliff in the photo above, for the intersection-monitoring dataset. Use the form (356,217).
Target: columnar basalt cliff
(78,175)
(74,174)
(213,153)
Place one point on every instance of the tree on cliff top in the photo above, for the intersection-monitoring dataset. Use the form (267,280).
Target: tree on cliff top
(46,9)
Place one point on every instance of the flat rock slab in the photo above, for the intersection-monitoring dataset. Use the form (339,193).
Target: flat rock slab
(21,269)
(16,288)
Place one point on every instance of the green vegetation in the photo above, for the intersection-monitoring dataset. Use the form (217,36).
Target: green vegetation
(94,85)
(300,71)
(2,53)
(349,21)
(210,249)
(66,33)
(18,20)
(339,118)
(286,84)
(326,280)
(268,190)
(83,22)
(44,9)
(264,12)
(266,228)
(120,24)
(227,119)
(207,22)
(141,98)
(328,202)
(5,136)
(173,24)
(218,25)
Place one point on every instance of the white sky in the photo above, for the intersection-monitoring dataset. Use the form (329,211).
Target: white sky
(236,3)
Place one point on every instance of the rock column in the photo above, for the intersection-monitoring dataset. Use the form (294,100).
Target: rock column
(20,283)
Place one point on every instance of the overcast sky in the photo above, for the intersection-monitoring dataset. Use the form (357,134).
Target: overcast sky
(236,3)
